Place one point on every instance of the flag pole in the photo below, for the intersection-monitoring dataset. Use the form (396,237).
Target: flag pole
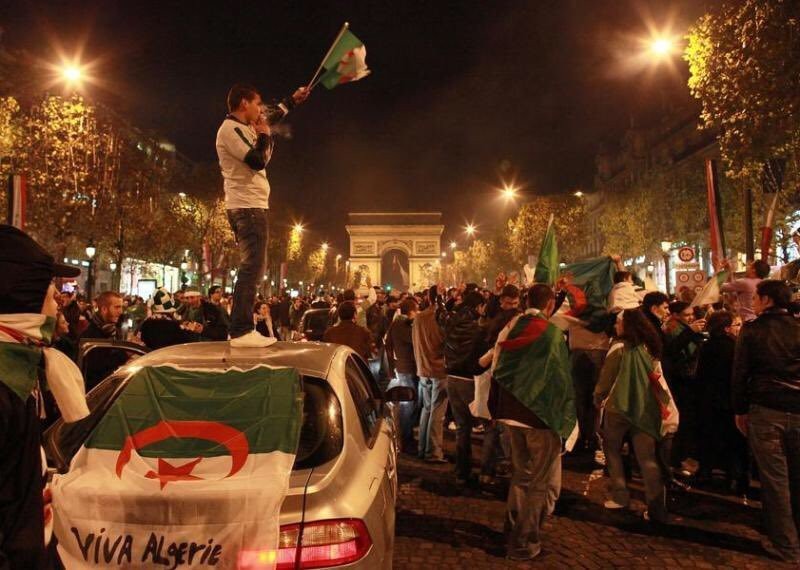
(311,83)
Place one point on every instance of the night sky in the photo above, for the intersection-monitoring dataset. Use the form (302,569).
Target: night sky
(462,93)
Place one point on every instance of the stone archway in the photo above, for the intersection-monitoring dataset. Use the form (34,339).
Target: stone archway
(395,270)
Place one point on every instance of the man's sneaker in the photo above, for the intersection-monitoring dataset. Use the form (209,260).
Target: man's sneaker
(253,339)
(433,459)
(613,505)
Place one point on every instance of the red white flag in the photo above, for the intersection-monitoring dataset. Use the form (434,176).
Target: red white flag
(717,238)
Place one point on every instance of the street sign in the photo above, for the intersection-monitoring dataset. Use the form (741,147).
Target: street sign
(686,254)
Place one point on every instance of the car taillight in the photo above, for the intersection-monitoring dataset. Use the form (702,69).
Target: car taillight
(325,543)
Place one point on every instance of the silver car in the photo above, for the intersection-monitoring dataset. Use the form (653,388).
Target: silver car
(343,487)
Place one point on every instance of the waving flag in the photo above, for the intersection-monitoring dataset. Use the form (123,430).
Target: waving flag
(187,468)
(711,292)
(534,367)
(587,294)
(547,264)
(346,62)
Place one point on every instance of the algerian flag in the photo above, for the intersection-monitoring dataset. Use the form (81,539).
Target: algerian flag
(587,294)
(547,265)
(640,393)
(347,61)
(711,292)
(188,468)
(534,367)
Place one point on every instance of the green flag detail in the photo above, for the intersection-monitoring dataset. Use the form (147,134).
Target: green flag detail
(534,367)
(347,61)
(547,265)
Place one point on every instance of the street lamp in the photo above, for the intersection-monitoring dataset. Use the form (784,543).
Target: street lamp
(578,194)
(184,267)
(325,246)
(298,227)
(91,250)
(509,191)
(470,229)
(661,47)
(666,246)
(112,266)
(71,73)
(453,245)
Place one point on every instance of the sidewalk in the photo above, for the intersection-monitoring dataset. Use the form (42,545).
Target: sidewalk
(439,527)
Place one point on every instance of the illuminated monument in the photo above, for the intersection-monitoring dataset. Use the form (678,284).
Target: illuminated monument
(400,250)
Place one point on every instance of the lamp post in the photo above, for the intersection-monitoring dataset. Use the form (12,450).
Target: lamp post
(184,267)
(91,250)
(666,246)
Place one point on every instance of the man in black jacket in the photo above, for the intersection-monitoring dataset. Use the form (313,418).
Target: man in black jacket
(766,401)
(403,367)
(464,344)
(209,320)
(104,324)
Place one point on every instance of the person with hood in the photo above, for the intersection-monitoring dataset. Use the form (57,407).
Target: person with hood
(29,366)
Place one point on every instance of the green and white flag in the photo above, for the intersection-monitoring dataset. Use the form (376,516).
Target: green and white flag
(547,265)
(712,290)
(347,61)
(188,469)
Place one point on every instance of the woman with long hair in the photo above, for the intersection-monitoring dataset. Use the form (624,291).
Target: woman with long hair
(262,317)
(636,402)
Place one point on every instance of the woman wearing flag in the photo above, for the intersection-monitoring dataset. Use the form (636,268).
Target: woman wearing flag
(636,402)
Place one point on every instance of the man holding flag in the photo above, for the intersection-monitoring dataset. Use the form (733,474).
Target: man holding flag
(532,394)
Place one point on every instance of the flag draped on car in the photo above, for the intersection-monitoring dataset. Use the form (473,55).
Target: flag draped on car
(347,61)
(534,367)
(188,468)
(640,393)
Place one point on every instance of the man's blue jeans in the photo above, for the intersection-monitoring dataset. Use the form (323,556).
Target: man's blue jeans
(775,440)
(431,429)
(406,409)
(249,226)
(461,391)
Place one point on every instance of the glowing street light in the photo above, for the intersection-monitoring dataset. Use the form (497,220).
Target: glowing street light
(325,246)
(298,227)
(71,73)
(661,47)
(470,229)
(578,194)
(453,245)
(509,191)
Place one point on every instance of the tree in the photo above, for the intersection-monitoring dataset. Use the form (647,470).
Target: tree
(476,263)
(524,232)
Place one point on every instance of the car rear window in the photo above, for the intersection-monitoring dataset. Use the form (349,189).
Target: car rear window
(321,436)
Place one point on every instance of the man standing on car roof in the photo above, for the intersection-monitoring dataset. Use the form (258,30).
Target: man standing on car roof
(244,148)
(28,310)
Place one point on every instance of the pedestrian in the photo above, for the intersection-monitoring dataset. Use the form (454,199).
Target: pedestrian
(206,318)
(720,443)
(766,401)
(464,344)
(428,343)
(402,367)
(216,298)
(161,329)
(745,287)
(28,367)
(532,394)
(263,319)
(103,325)
(284,324)
(633,406)
(348,333)
(244,148)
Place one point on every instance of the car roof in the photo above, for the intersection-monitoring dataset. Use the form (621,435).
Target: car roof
(310,358)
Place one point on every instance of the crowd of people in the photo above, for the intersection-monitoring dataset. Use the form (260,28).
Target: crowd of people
(446,344)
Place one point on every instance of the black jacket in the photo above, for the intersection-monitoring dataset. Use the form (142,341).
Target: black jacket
(399,348)
(766,369)
(714,372)
(21,483)
(160,332)
(464,343)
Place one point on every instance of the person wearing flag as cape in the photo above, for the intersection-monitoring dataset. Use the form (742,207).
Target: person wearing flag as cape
(532,394)
(636,401)
(28,366)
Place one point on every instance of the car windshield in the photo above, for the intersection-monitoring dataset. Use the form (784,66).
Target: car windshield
(321,436)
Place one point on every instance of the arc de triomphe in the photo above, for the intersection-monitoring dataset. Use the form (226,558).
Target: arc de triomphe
(401,250)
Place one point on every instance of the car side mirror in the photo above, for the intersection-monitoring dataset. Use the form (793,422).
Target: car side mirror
(401,394)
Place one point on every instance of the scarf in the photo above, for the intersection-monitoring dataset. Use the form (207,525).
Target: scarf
(24,341)
(109,329)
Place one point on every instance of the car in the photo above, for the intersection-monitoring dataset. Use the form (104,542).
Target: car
(343,486)
(316,322)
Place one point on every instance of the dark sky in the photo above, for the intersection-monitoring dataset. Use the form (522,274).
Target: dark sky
(462,92)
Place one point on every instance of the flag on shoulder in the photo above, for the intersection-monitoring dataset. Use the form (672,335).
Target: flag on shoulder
(347,61)
(640,393)
(534,368)
(183,457)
